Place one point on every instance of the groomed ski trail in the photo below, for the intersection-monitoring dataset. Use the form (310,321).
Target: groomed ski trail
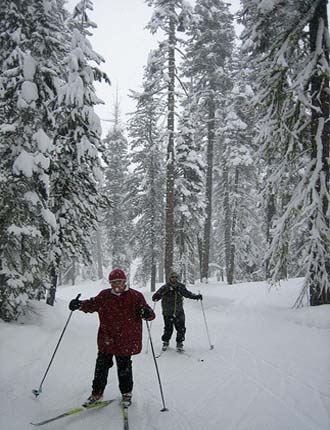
(253,379)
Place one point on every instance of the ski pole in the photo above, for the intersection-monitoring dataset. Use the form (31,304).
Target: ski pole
(158,376)
(207,330)
(147,347)
(39,390)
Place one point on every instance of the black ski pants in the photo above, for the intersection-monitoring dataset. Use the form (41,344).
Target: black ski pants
(104,362)
(177,322)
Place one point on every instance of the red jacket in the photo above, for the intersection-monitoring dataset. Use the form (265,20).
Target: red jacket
(120,330)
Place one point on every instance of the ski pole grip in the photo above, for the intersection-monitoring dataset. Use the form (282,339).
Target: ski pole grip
(78,296)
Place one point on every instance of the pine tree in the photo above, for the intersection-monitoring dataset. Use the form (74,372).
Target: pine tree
(116,221)
(209,54)
(189,190)
(76,168)
(243,237)
(168,16)
(31,49)
(291,46)
(146,184)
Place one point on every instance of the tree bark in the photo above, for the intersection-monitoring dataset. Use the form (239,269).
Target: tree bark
(169,210)
(227,222)
(321,101)
(209,187)
(153,277)
(232,249)
(200,255)
(52,291)
(270,213)
(99,255)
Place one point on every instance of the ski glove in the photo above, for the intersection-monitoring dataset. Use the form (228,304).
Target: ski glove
(74,304)
(145,313)
(199,297)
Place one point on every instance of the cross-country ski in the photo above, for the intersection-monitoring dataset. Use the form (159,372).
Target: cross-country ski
(74,411)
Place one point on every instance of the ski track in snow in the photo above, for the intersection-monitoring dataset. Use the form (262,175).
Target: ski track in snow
(259,376)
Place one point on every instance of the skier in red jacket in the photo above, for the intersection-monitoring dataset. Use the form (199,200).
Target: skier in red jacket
(121,310)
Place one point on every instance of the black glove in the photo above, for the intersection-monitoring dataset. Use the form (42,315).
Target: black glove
(74,304)
(145,313)
(199,297)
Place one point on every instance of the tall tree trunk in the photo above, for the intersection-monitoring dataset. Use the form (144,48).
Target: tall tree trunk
(169,210)
(232,249)
(270,213)
(73,272)
(152,252)
(50,300)
(54,280)
(153,277)
(182,250)
(191,274)
(99,255)
(200,255)
(227,222)
(209,187)
(285,247)
(161,269)
(320,118)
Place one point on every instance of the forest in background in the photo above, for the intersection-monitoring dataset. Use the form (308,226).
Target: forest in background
(222,169)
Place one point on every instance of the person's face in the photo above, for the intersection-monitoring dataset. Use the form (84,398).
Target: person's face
(173,279)
(118,285)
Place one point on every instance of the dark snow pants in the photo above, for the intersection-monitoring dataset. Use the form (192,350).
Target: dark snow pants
(178,322)
(104,362)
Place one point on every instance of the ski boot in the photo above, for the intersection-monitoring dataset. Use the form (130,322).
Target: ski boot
(126,400)
(179,347)
(92,399)
(165,346)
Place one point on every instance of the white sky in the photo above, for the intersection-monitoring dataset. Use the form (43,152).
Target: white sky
(124,43)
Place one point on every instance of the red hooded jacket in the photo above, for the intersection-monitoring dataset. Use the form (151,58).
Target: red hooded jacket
(120,330)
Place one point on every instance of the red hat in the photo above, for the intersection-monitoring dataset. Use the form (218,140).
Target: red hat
(117,274)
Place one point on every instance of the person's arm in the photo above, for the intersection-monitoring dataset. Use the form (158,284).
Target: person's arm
(144,310)
(159,294)
(93,304)
(188,294)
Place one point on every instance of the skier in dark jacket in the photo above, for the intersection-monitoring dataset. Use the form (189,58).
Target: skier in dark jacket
(171,295)
(121,310)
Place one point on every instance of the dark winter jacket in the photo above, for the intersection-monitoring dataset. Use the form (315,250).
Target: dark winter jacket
(171,296)
(120,330)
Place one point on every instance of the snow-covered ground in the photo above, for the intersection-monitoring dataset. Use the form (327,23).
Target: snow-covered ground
(269,369)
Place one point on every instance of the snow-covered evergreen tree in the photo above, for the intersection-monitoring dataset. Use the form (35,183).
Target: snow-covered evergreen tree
(31,50)
(209,57)
(189,191)
(290,49)
(115,219)
(146,185)
(169,16)
(237,182)
(76,169)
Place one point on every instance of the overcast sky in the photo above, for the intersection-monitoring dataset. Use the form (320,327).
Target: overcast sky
(124,43)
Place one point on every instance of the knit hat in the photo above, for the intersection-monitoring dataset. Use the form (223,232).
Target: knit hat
(116,275)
